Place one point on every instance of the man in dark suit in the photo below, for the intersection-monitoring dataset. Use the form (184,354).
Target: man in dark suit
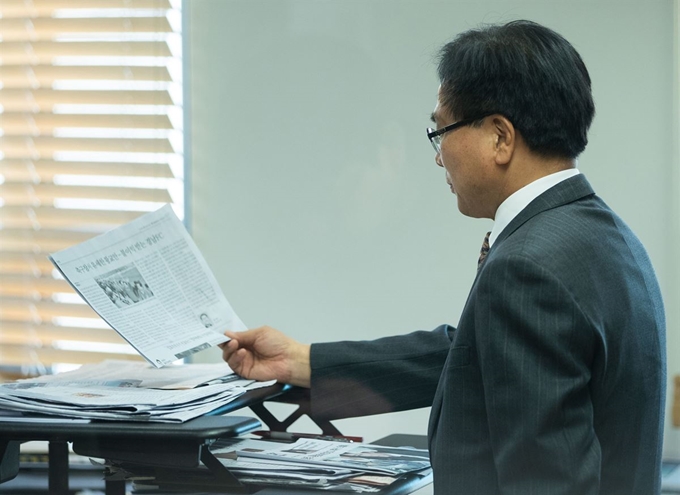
(553,381)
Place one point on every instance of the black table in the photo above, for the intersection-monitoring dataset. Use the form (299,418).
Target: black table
(173,451)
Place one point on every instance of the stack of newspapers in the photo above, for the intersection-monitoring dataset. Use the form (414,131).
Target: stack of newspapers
(306,463)
(128,391)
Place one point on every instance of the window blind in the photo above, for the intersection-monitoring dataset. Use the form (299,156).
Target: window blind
(90,138)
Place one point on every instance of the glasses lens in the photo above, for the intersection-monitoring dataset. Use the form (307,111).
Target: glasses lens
(435,140)
(436,143)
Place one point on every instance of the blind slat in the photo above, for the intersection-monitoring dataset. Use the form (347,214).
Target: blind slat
(45,123)
(16,100)
(12,308)
(28,146)
(32,76)
(42,28)
(21,333)
(21,355)
(19,8)
(43,52)
(25,194)
(39,241)
(44,170)
(46,217)
(27,264)
(16,286)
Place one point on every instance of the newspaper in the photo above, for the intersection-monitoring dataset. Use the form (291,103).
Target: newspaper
(119,390)
(294,472)
(140,374)
(320,464)
(149,282)
(362,457)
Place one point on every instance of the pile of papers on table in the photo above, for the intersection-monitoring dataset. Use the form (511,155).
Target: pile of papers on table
(128,391)
(306,463)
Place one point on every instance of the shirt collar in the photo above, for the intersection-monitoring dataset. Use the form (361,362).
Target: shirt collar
(521,198)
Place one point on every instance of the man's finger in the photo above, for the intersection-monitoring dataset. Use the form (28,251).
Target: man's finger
(235,361)
(245,338)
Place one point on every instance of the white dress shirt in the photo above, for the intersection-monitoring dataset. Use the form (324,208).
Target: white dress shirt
(521,198)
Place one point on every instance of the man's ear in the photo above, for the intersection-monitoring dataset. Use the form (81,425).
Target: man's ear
(505,139)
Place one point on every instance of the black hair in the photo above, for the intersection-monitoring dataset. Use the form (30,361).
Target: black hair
(526,72)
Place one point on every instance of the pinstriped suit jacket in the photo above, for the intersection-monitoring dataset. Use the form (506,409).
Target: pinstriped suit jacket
(554,380)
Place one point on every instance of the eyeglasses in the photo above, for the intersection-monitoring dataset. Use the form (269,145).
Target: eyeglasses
(435,136)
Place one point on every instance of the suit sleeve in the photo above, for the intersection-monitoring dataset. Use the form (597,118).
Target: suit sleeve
(351,379)
(535,348)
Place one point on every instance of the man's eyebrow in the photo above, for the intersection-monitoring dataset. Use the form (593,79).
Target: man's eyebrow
(433,117)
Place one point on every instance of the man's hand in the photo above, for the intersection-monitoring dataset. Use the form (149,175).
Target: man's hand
(267,354)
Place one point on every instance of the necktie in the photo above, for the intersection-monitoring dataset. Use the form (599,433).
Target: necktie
(484,251)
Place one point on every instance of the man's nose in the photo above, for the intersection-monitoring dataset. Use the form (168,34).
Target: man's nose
(438,159)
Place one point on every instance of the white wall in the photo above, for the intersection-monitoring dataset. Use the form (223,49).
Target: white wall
(315,197)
